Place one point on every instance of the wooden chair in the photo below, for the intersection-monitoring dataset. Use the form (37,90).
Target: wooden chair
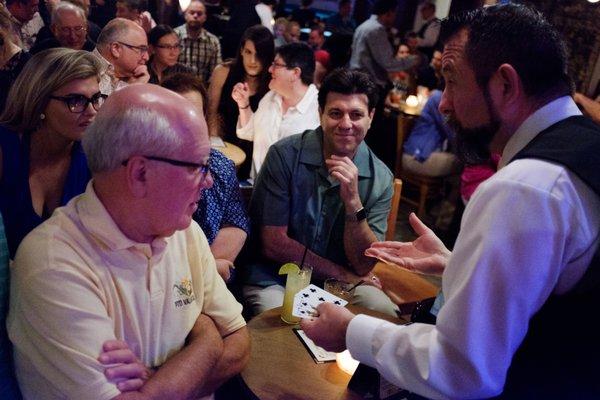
(393,215)
(427,187)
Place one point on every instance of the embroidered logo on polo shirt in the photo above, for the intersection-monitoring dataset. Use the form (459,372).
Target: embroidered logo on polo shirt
(183,293)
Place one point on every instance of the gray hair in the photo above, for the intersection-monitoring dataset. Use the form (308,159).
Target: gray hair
(66,6)
(135,130)
(46,72)
(112,32)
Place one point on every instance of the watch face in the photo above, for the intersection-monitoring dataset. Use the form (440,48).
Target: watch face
(361,214)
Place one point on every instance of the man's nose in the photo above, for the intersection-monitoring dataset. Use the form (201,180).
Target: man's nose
(445,107)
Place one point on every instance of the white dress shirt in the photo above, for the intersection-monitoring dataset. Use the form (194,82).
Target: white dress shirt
(529,231)
(268,124)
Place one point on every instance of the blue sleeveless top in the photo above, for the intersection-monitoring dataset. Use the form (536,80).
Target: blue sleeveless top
(15,196)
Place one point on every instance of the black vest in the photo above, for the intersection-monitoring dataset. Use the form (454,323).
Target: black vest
(560,355)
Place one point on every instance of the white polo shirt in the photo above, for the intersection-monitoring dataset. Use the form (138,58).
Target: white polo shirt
(78,281)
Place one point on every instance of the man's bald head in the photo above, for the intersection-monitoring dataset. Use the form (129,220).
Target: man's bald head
(115,30)
(141,119)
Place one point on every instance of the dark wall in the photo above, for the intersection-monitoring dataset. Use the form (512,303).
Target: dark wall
(579,22)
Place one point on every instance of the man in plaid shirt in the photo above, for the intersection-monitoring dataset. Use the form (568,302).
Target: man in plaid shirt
(201,49)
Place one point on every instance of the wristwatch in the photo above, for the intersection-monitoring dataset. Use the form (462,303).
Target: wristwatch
(357,216)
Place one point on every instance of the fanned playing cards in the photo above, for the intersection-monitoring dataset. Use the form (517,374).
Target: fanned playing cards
(307,300)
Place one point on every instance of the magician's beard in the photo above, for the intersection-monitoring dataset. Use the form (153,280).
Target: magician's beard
(473,144)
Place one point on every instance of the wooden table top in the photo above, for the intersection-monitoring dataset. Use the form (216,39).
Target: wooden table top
(233,152)
(405,288)
(280,367)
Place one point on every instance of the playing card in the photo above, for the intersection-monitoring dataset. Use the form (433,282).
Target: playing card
(307,300)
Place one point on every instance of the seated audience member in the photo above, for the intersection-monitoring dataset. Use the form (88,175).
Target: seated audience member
(251,66)
(201,49)
(324,190)
(322,66)
(8,385)
(316,37)
(290,107)
(93,30)
(412,41)
(12,57)
(426,148)
(342,23)
(221,210)
(27,21)
(279,28)
(164,48)
(136,11)
(69,29)
(431,76)
(53,100)
(123,50)
(590,107)
(291,34)
(117,295)
(304,15)
(519,260)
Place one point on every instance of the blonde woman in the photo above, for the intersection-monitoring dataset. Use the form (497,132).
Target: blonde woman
(42,167)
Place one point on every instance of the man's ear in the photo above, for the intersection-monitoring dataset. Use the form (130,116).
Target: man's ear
(505,85)
(136,170)
(115,50)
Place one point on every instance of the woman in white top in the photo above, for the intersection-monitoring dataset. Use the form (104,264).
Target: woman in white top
(289,107)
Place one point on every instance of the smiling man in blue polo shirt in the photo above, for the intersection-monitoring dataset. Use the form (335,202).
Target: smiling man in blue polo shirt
(323,189)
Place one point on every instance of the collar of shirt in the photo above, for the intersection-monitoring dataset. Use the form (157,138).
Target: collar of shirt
(183,33)
(107,67)
(542,118)
(312,153)
(304,104)
(98,222)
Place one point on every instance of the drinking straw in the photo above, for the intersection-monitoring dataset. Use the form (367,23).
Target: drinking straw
(303,256)
(354,286)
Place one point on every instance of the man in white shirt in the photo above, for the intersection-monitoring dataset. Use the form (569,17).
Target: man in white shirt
(527,249)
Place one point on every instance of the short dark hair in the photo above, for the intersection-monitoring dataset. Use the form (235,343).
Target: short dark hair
(348,81)
(384,6)
(182,82)
(517,35)
(140,5)
(158,32)
(299,55)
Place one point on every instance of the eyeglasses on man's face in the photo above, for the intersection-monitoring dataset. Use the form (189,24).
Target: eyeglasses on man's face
(77,30)
(200,170)
(77,103)
(140,49)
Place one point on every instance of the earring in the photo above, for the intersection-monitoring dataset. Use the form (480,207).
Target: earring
(42,116)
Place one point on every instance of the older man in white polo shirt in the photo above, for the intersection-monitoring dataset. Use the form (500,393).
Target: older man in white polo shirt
(117,294)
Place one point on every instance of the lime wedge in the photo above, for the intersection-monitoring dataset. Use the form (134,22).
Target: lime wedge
(289,268)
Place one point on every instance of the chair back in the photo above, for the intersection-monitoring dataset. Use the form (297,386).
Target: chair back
(393,215)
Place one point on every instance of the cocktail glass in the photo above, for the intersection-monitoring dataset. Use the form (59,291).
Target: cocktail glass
(294,283)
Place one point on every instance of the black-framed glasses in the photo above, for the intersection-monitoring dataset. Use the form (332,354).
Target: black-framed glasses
(275,64)
(140,49)
(177,46)
(77,103)
(195,168)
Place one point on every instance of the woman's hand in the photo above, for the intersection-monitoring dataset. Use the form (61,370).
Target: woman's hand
(241,95)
